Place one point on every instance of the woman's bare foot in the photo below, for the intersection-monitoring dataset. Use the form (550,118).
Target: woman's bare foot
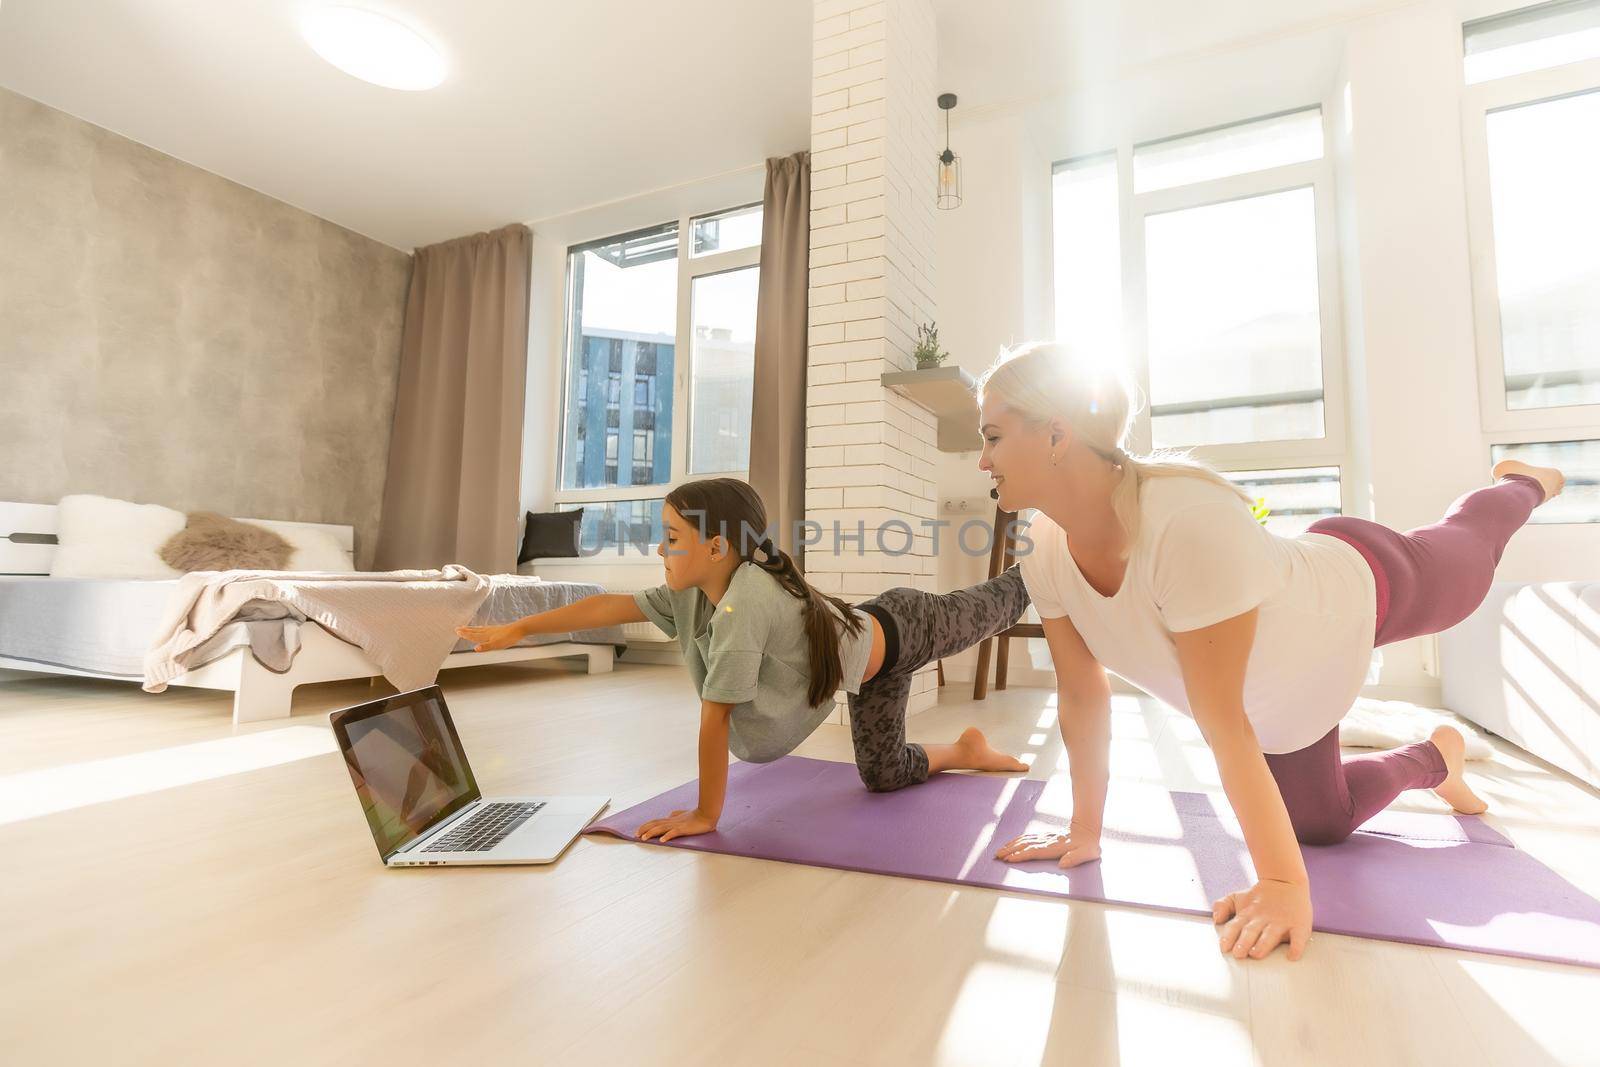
(971,752)
(1454,789)
(1552,479)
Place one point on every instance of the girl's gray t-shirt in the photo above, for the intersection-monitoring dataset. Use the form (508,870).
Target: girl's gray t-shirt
(750,651)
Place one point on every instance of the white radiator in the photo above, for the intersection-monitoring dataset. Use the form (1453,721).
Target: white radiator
(644,633)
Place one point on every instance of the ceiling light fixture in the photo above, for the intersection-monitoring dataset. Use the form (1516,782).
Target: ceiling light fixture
(949,163)
(373,47)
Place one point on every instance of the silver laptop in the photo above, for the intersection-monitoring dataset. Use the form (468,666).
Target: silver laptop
(421,799)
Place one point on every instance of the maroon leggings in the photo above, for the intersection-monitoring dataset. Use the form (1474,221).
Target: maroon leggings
(1427,580)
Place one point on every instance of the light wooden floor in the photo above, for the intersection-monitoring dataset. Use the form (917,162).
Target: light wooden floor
(149,914)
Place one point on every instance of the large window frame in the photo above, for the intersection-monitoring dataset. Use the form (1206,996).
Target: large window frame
(690,267)
(1501,424)
(1332,448)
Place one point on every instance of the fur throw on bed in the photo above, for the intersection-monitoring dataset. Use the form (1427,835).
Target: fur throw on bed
(212,542)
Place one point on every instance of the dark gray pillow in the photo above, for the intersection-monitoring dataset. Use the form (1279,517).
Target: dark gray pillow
(212,542)
(550,534)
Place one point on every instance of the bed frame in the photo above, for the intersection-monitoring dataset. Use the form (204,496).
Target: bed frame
(27,546)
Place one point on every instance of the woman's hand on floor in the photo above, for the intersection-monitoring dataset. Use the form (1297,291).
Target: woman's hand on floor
(1072,848)
(1263,915)
(489,638)
(678,824)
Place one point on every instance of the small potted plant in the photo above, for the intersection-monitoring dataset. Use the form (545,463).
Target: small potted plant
(927,353)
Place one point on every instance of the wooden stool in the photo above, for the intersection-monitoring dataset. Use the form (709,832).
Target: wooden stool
(1002,554)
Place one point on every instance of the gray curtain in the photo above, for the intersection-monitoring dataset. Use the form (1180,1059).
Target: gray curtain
(778,405)
(451,494)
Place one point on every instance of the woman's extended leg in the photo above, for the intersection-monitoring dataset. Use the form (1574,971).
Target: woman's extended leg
(1428,579)
(1432,577)
(928,626)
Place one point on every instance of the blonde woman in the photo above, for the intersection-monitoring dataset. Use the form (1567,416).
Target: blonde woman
(1155,568)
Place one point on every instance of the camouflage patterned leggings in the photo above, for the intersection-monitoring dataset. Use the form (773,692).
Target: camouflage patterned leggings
(929,626)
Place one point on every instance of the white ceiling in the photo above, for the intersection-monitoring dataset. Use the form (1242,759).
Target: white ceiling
(1003,52)
(551,105)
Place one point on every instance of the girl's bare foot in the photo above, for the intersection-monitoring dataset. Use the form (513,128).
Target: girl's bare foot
(1454,789)
(1552,479)
(978,755)
(971,752)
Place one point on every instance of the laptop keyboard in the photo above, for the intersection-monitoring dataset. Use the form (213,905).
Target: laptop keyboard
(486,829)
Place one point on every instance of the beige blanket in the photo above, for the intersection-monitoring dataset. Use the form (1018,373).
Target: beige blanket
(405,621)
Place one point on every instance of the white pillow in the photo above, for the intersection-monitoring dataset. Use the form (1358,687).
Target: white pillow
(100,537)
(314,549)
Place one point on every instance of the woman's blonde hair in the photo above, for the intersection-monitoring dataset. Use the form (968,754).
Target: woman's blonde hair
(1043,381)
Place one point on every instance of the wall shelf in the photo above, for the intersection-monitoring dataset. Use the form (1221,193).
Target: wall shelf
(947,392)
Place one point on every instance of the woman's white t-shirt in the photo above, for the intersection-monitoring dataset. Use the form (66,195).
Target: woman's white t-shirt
(1201,557)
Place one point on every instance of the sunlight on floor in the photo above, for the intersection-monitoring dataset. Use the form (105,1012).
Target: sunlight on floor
(1028,931)
(77,785)
(1001,1015)
(1136,949)
(1152,1031)
(1510,998)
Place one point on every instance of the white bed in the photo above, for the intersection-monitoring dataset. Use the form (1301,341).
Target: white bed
(27,546)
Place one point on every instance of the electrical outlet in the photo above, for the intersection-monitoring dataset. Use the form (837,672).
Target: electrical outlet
(965,505)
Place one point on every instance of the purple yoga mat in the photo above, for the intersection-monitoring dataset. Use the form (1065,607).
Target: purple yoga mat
(1417,878)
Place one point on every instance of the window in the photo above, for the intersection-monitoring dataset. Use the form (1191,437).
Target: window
(1296,498)
(610,523)
(1544,175)
(724,323)
(1530,116)
(727,231)
(1274,141)
(629,386)
(644,448)
(1532,38)
(1089,272)
(1234,337)
(1578,460)
(622,316)
(1206,263)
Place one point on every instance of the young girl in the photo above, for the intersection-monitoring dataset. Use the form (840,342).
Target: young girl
(766,651)
(1155,568)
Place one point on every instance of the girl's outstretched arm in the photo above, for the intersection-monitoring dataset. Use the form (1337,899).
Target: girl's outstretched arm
(590,613)
(1278,907)
(713,781)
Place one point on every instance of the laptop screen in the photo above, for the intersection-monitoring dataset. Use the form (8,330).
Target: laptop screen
(407,764)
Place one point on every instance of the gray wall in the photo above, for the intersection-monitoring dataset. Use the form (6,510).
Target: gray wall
(170,337)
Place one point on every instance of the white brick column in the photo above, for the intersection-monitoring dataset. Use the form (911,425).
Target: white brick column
(869,452)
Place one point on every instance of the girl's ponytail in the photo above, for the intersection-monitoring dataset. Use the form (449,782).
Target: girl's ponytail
(823,627)
(723,505)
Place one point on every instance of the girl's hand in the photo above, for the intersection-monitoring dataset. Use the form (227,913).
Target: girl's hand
(1073,847)
(678,824)
(1263,915)
(489,638)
